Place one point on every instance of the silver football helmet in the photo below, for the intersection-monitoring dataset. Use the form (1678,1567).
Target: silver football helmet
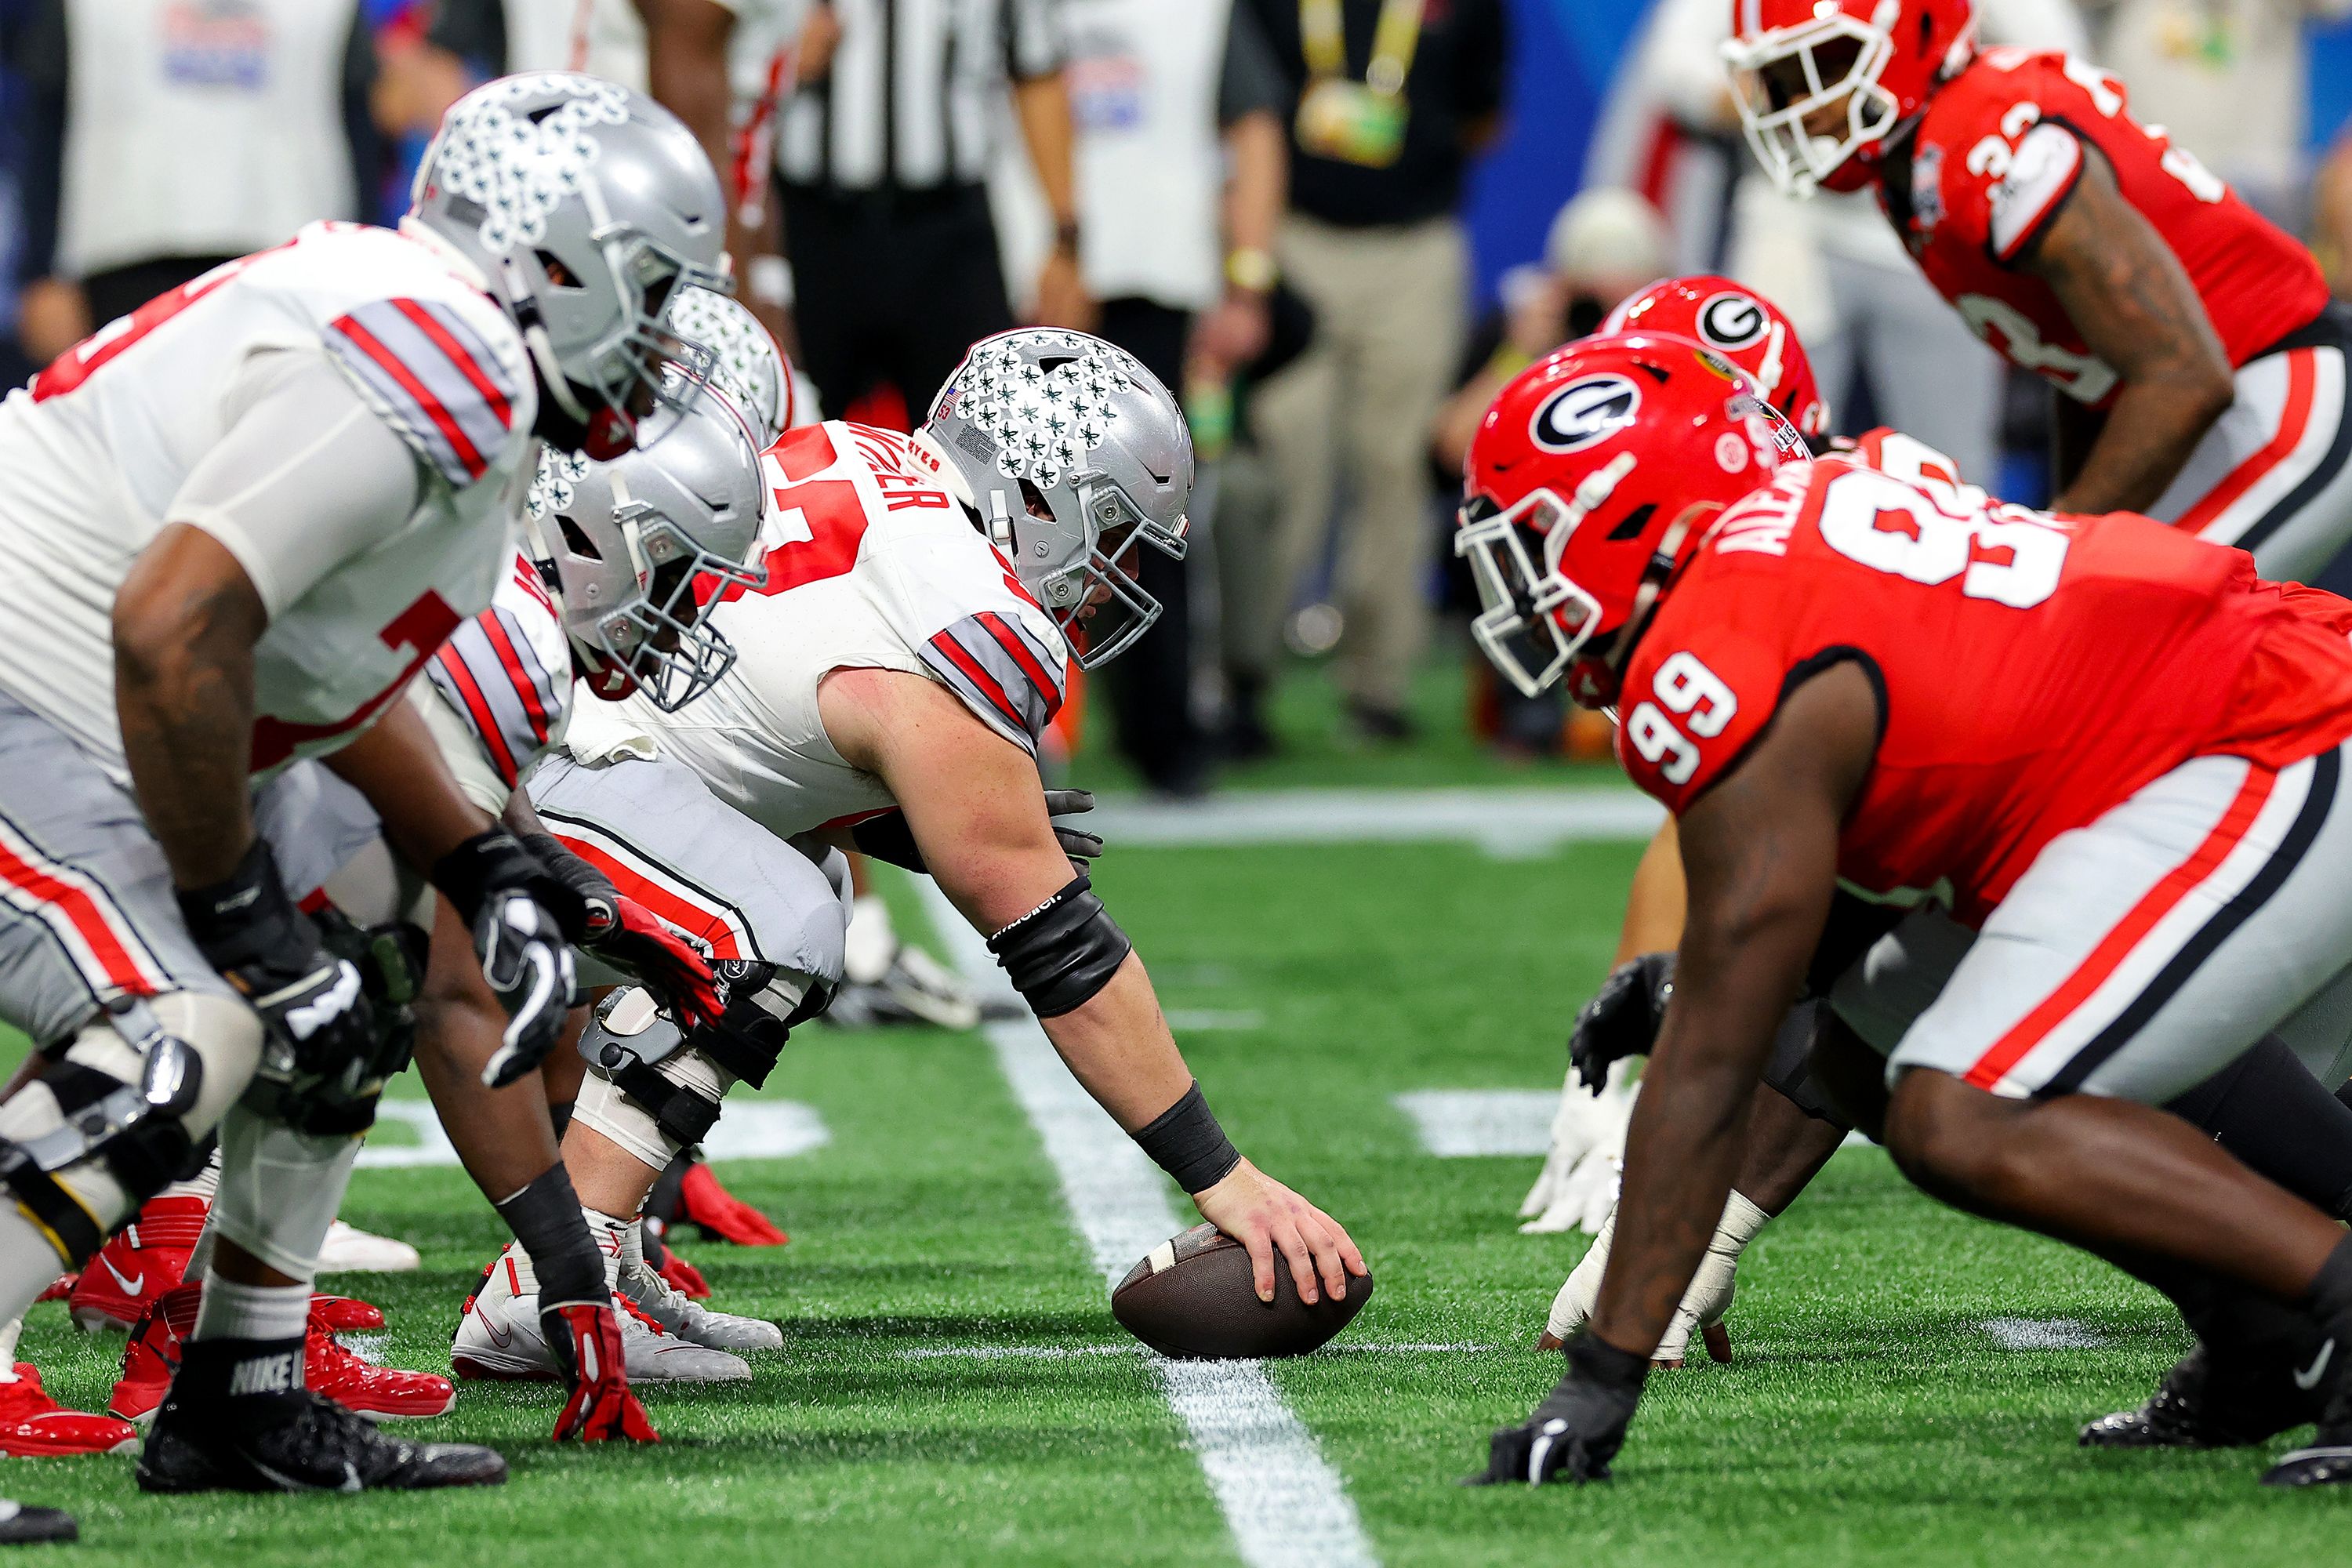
(1074,454)
(645,546)
(586,206)
(745,367)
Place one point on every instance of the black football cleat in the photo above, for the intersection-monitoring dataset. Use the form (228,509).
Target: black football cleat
(318,1446)
(2197,1407)
(2327,1460)
(23,1526)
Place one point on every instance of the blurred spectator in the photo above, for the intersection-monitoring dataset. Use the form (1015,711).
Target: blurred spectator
(883,163)
(163,137)
(1604,246)
(1392,97)
(1180,114)
(2226,78)
(16,366)
(2331,218)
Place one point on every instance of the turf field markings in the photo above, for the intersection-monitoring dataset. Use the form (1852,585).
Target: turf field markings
(1286,1505)
(754,1130)
(2044,1335)
(1468,1124)
(1507,824)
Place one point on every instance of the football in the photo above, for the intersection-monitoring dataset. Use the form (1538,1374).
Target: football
(1190,1298)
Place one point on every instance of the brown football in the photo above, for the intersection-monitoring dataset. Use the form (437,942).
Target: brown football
(1190,1298)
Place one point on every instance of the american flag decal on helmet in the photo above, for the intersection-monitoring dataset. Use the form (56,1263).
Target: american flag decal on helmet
(1002,672)
(433,379)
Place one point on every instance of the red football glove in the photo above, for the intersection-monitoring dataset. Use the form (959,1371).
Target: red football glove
(586,1339)
(702,1200)
(679,978)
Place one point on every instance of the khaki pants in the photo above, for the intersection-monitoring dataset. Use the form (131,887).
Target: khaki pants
(1388,336)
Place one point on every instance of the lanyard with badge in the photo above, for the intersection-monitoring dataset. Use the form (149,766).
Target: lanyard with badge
(1356,121)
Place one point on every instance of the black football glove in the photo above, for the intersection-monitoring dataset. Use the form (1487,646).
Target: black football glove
(1577,1428)
(1084,849)
(630,937)
(313,1005)
(1622,1018)
(524,918)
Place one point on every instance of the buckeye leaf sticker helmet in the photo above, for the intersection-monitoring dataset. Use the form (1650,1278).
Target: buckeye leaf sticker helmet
(1590,476)
(745,367)
(1076,456)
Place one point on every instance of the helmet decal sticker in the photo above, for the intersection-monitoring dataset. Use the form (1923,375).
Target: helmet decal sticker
(1732,322)
(1043,423)
(552,486)
(1585,413)
(517,170)
(744,363)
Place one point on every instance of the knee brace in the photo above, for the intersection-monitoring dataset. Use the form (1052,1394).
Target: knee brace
(654,1091)
(123,1113)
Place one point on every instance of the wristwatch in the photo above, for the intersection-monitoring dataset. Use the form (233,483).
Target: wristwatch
(1066,237)
(1251,270)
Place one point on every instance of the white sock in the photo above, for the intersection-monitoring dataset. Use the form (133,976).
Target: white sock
(233,1311)
(616,1239)
(8,1338)
(28,1264)
(204,1184)
(872,940)
(518,1257)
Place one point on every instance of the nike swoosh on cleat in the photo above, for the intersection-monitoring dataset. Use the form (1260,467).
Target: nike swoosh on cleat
(2308,1378)
(130,1284)
(502,1338)
(1541,1448)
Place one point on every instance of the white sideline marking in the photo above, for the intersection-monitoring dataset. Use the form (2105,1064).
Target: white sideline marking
(1466,1123)
(2044,1335)
(1509,824)
(752,1129)
(1068,1353)
(1286,1506)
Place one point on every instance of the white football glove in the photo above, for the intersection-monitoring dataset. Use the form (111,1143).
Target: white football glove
(1704,1304)
(1579,1184)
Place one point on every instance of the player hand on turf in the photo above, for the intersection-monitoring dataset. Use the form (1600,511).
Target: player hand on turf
(1622,1018)
(1268,1217)
(586,1340)
(1703,1305)
(1084,849)
(1577,1428)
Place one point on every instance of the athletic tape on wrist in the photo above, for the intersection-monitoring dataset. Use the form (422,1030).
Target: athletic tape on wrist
(1186,1142)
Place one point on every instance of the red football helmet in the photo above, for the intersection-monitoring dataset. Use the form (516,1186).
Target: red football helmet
(1821,83)
(1588,478)
(1742,326)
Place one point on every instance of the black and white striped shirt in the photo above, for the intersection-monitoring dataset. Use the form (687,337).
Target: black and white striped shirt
(913,95)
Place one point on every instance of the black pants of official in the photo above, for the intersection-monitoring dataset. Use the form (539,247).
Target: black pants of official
(892,287)
(1151,683)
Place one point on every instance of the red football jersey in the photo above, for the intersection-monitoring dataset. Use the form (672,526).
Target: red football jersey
(1998,150)
(2035,671)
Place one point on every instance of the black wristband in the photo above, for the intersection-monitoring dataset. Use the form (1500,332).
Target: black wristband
(246,915)
(1605,1365)
(1186,1142)
(545,1218)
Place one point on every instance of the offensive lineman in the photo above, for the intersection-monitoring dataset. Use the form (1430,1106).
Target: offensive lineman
(2118,747)
(924,595)
(243,517)
(2199,366)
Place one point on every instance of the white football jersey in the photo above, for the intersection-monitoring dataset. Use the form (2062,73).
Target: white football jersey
(95,450)
(872,562)
(507,677)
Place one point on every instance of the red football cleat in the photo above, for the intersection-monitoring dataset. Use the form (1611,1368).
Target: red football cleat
(59,1287)
(702,1200)
(33,1425)
(379,1393)
(345,1314)
(139,1263)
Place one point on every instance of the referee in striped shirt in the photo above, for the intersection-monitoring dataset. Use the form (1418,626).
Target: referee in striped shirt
(882,164)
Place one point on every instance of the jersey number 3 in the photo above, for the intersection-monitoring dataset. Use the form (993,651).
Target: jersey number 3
(2003,554)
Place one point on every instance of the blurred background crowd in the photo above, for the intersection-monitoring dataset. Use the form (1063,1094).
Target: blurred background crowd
(1336,225)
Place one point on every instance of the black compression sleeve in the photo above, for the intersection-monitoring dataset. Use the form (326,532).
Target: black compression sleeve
(2266,1110)
(545,1218)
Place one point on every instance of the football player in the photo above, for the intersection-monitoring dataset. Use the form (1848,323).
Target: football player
(2199,365)
(240,519)
(925,596)
(2118,747)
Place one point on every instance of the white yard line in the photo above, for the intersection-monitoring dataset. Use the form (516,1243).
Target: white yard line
(2044,1335)
(1509,824)
(1286,1506)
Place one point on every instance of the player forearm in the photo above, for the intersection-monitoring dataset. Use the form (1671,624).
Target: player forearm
(1118,1046)
(397,766)
(1042,106)
(1655,904)
(186,623)
(2151,431)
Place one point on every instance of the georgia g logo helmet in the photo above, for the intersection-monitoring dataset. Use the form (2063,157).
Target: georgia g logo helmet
(1585,413)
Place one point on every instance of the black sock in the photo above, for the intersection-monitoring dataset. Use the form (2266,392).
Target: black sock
(562,1116)
(2271,1113)
(545,1218)
(247,1382)
(2331,1291)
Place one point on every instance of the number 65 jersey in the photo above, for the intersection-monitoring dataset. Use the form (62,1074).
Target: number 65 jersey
(2032,672)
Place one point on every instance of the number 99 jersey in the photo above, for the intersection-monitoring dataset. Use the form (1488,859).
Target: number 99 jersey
(2031,670)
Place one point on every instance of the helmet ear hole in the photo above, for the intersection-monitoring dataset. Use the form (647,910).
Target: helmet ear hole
(576,540)
(559,275)
(1032,498)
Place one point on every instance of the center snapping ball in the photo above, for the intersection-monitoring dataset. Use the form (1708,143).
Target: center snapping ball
(1190,1298)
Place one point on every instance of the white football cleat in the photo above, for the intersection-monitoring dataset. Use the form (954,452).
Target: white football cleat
(351,1250)
(691,1320)
(498,1338)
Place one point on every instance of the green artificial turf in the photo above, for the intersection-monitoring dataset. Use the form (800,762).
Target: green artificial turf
(1869,1417)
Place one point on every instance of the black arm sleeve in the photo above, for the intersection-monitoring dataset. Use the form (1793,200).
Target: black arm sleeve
(38,55)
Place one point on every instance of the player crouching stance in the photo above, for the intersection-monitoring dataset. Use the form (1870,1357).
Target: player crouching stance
(2120,748)
(239,522)
(924,596)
